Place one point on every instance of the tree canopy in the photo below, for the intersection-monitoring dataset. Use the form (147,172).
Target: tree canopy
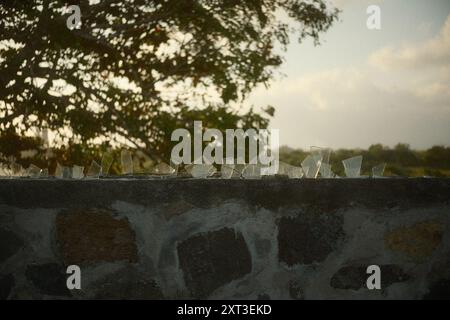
(137,69)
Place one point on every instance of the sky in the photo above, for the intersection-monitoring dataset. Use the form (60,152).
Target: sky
(361,86)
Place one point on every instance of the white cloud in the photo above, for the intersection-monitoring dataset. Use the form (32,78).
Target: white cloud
(362,105)
(432,53)
(423,67)
(349,107)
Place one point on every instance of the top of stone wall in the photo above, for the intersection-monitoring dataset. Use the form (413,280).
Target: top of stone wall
(271,193)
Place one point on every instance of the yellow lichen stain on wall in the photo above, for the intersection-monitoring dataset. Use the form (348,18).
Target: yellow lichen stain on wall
(417,241)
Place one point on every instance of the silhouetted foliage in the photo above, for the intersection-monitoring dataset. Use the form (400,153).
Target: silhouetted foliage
(130,72)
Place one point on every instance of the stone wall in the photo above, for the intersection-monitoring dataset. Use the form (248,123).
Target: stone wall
(232,239)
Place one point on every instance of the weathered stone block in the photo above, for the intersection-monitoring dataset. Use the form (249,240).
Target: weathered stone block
(210,260)
(49,278)
(308,237)
(417,241)
(10,243)
(355,277)
(94,235)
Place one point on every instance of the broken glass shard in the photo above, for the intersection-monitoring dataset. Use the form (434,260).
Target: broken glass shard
(325,171)
(77,172)
(227,171)
(201,170)
(126,161)
(305,171)
(94,170)
(321,153)
(163,169)
(291,171)
(231,170)
(143,163)
(107,160)
(67,172)
(4,171)
(17,170)
(378,171)
(44,173)
(59,171)
(188,168)
(174,167)
(295,172)
(282,168)
(63,172)
(311,165)
(352,166)
(252,171)
(238,169)
(33,171)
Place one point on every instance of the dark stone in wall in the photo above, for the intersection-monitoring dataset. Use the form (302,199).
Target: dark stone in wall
(94,235)
(6,284)
(439,290)
(355,277)
(210,260)
(127,284)
(10,243)
(309,237)
(295,290)
(130,290)
(49,278)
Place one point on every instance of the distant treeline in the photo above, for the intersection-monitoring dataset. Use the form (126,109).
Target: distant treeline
(401,160)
